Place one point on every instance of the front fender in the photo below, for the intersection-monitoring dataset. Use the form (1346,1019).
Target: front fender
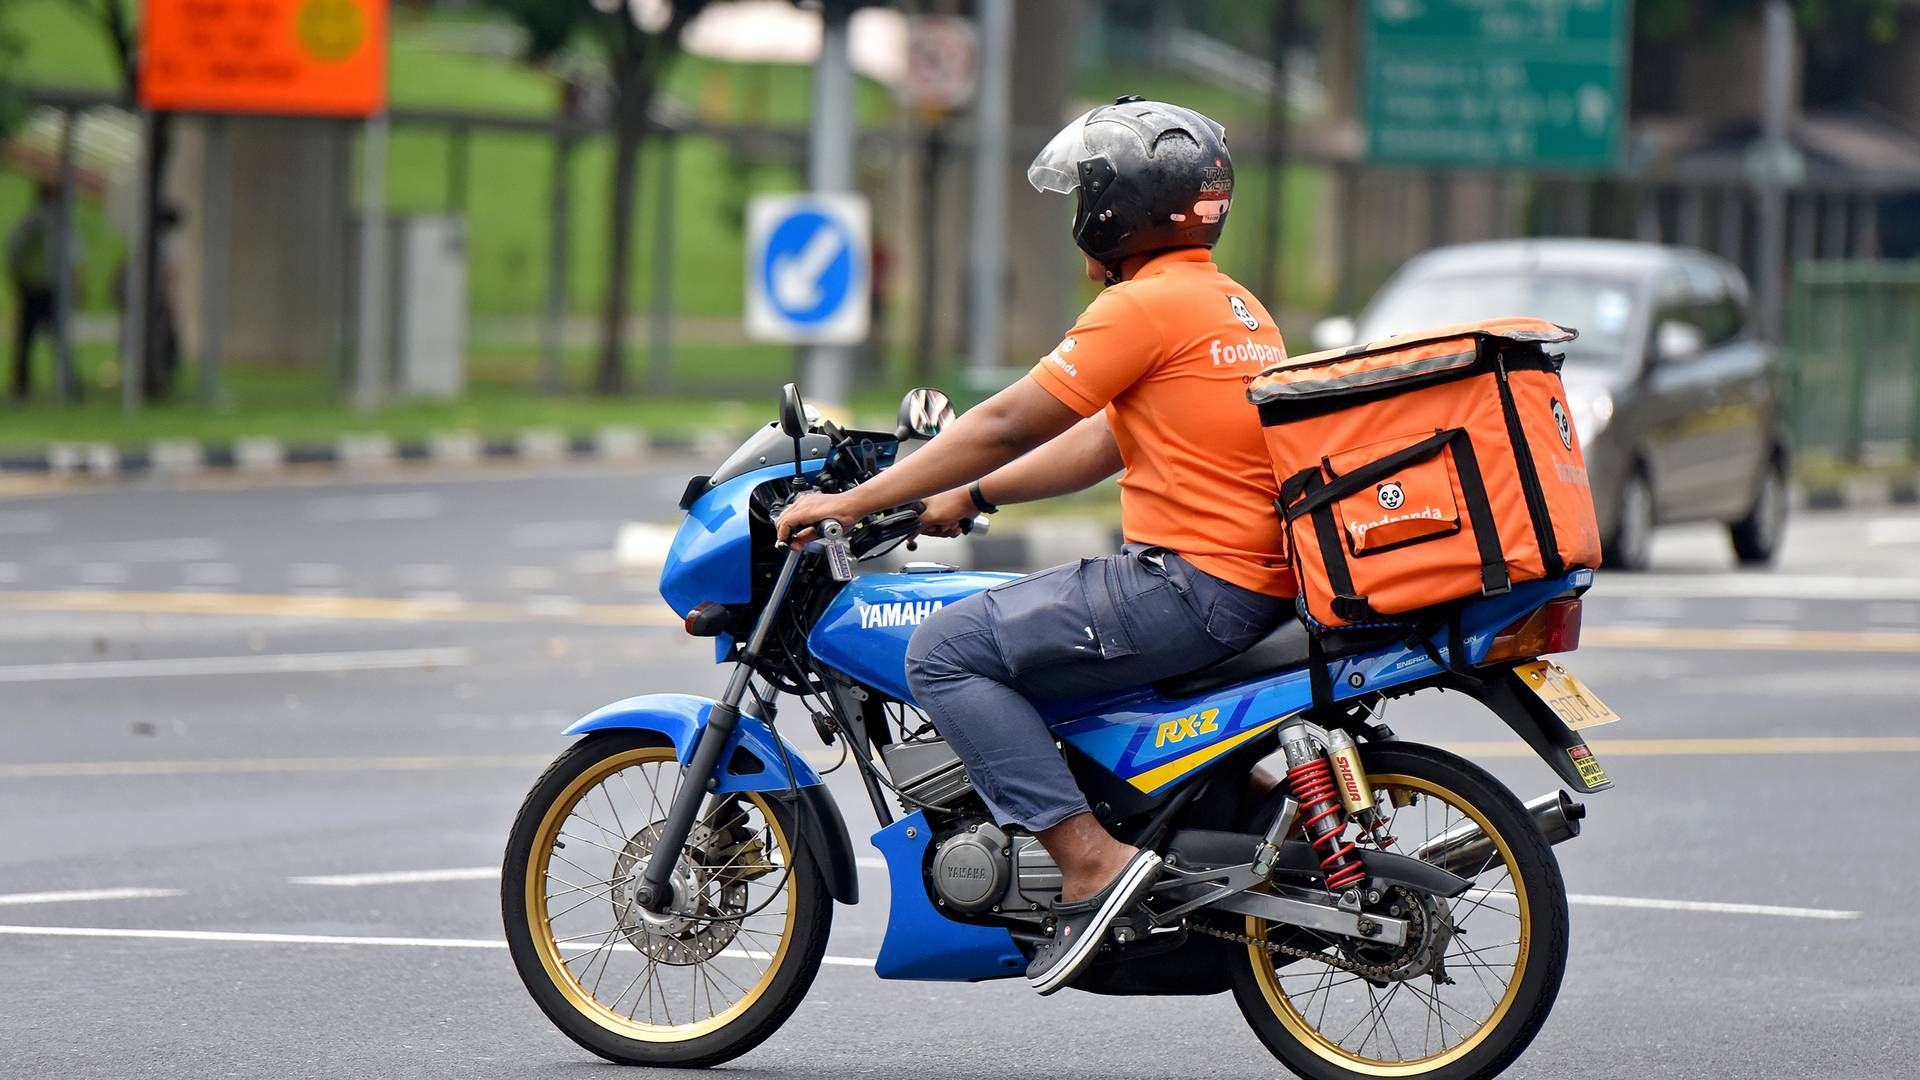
(755,759)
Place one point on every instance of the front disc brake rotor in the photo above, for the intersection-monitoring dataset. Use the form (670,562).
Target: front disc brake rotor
(699,920)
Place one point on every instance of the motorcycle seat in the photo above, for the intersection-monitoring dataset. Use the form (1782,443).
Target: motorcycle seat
(1284,648)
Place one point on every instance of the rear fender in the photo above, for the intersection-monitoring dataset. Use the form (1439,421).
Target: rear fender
(756,759)
(1561,747)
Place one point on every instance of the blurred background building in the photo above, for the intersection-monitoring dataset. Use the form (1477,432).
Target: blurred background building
(520,135)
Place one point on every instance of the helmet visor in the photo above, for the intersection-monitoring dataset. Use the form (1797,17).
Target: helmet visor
(1056,168)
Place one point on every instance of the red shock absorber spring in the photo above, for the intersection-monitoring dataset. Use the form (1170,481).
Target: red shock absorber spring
(1312,785)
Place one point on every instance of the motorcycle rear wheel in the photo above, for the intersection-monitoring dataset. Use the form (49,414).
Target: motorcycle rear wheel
(1501,991)
(577,848)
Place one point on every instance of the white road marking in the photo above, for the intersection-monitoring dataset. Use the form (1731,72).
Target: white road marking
(22,522)
(271,664)
(562,534)
(307,573)
(1747,584)
(424,575)
(436,597)
(1893,532)
(1773,612)
(532,577)
(9,572)
(103,573)
(554,605)
(1661,608)
(240,937)
(185,549)
(215,573)
(80,895)
(1710,907)
(394,506)
(400,877)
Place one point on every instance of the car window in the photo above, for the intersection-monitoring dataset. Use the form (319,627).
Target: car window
(1600,307)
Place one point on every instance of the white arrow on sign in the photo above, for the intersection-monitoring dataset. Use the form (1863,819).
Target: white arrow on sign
(796,277)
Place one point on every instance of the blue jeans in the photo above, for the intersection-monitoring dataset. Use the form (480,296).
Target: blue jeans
(1094,627)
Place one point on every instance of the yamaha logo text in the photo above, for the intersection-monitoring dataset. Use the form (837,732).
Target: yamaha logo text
(898,613)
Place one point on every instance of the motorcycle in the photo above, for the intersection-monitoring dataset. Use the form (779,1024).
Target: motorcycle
(1386,909)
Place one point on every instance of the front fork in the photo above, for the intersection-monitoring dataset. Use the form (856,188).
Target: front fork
(697,778)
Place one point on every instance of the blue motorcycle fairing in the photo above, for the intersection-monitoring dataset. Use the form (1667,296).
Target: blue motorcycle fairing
(681,717)
(865,628)
(711,558)
(921,943)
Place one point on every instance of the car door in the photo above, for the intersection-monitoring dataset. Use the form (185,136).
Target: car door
(1740,368)
(1678,395)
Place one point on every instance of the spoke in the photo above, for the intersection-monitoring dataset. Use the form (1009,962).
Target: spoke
(603,898)
(1466,950)
(606,939)
(577,866)
(598,886)
(1476,1022)
(615,852)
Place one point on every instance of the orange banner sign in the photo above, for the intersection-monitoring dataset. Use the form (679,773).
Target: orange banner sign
(303,57)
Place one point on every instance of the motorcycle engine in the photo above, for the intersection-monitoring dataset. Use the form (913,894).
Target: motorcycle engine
(971,868)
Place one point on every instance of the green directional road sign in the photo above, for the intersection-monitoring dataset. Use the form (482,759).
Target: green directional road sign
(1508,83)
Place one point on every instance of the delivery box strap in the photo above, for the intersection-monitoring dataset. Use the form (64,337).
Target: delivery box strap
(1307,494)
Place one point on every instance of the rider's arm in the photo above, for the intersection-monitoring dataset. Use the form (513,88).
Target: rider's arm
(1075,461)
(984,438)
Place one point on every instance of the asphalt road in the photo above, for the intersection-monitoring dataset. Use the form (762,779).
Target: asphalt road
(237,719)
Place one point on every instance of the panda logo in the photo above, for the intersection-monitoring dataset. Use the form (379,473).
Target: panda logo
(1391,495)
(1240,312)
(1566,426)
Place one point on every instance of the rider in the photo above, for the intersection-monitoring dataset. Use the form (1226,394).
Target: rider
(1150,383)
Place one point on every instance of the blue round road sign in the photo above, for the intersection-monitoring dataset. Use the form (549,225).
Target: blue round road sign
(807,269)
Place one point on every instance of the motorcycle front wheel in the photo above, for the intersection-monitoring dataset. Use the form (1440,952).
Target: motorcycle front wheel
(705,982)
(1469,990)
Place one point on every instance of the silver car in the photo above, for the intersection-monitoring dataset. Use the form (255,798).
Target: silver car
(1676,401)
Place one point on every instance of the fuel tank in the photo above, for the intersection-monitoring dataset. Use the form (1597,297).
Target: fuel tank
(865,630)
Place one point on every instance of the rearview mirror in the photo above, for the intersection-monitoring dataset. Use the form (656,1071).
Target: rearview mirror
(1676,342)
(924,413)
(1337,332)
(793,412)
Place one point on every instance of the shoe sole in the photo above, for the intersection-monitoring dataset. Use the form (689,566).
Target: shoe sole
(1132,880)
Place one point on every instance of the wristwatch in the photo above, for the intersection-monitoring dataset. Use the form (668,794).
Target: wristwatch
(980,502)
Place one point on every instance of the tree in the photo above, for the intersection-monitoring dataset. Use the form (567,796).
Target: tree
(636,39)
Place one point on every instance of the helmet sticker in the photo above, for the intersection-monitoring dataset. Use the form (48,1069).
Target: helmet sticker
(1211,210)
(1240,312)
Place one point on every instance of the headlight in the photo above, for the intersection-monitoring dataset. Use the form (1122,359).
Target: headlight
(1592,409)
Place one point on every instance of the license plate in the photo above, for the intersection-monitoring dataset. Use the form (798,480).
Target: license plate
(1568,697)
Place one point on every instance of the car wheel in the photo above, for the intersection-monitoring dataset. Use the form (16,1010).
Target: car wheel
(1629,547)
(1756,537)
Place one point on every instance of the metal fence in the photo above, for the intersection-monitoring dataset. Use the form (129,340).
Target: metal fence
(1853,355)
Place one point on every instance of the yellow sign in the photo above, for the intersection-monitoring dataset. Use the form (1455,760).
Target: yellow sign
(284,57)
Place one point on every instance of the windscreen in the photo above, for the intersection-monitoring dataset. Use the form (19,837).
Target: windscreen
(1601,308)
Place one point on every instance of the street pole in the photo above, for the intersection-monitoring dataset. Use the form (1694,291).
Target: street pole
(830,149)
(134,316)
(986,352)
(1271,278)
(553,359)
(665,223)
(215,180)
(370,367)
(64,384)
(1776,112)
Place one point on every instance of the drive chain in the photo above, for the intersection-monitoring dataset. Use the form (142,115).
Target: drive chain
(1416,924)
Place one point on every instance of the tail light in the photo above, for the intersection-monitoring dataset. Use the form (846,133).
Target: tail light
(1551,628)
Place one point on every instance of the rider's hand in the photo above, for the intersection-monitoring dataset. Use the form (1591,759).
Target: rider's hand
(946,513)
(796,524)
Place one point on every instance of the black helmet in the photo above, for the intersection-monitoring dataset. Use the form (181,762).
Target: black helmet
(1151,176)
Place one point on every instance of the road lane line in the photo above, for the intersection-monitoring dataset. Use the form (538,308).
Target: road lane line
(1750,584)
(251,938)
(1739,747)
(1750,639)
(331,607)
(270,664)
(1709,907)
(399,877)
(83,895)
(243,766)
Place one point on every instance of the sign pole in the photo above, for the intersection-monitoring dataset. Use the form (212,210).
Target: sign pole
(65,386)
(1776,109)
(370,366)
(830,152)
(133,317)
(986,352)
(214,192)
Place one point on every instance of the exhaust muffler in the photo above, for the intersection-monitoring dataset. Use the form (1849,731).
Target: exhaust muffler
(1465,849)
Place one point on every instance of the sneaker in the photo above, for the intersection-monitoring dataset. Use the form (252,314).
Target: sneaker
(1079,926)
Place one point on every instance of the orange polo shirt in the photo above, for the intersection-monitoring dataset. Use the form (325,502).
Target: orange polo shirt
(1168,353)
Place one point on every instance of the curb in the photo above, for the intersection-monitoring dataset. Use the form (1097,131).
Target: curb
(354,453)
